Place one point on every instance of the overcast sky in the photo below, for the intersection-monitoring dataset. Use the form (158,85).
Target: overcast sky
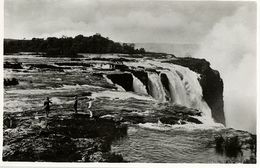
(126,21)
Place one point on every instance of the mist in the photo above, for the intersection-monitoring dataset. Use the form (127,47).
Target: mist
(230,47)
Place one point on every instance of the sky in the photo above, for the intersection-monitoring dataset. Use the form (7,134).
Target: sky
(225,31)
(126,21)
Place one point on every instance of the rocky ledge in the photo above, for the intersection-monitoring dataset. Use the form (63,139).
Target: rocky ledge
(61,137)
(66,136)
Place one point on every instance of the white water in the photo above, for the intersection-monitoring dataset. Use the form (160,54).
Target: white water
(156,89)
(138,86)
(108,80)
(120,95)
(120,88)
(187,91)
(184,87)
(177,90)
(186,127)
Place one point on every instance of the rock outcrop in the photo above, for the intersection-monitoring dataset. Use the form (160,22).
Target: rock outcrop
(123,79)
(61,137)
(9,65)
(10,81)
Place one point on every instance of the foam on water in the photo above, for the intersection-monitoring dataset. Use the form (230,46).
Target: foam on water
(108,80)
(56,100)
(120,95)
(138,86)
(120,88)
(186,127)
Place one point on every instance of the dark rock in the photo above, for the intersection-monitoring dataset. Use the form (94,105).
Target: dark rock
(63,138)
(75,59)
(13,65)
(40,148)
(9,82)
(193,120)
(169,120)
(123,79)
(165,81)
(121,67)
(10,122)
(219,140)
(135,119)
(236,143)
(232,146)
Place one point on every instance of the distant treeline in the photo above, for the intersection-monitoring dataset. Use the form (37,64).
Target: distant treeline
(68,46)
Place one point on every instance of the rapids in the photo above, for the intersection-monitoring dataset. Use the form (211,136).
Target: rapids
(145,142)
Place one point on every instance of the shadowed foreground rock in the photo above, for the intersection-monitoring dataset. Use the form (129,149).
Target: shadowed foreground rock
(10,82)
(66,138)
(234,143)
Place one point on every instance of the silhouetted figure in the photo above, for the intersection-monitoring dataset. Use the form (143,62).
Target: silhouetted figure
(89,106)
(47,106)
(76,104)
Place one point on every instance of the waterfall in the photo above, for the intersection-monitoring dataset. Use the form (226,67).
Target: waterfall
(156,89)
(120,88)
(138,86)
(186,90)
(177,89)
(108,80)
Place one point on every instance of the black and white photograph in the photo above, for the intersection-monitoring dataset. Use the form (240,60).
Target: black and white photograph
(129,81)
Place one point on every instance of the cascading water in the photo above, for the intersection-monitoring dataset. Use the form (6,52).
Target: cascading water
(138,86)
(181,87)
(108,80)
(156,89)
(177,89)
(186,90)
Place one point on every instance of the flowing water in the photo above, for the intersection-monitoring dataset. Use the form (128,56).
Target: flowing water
(158,145)
(156,87)
(138,86)
(144,142)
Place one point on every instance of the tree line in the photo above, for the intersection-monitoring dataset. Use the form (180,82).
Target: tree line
(68,46)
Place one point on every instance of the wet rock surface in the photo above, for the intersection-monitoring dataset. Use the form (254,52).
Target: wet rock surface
(236,143)
(62,137)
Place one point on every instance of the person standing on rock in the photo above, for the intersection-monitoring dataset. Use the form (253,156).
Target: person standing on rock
(76,104)
(47,103)
(89,106)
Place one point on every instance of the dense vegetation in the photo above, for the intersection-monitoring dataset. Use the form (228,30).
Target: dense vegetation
(67,46)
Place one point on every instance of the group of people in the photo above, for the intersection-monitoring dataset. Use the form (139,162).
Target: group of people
(47,103)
